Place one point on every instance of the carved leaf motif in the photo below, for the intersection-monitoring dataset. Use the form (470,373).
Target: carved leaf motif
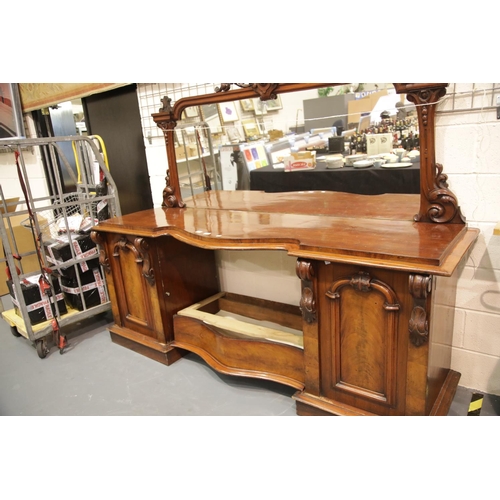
(147,270)
(418,326)
(308,305)
(361,282)
(140,249)
(305,272)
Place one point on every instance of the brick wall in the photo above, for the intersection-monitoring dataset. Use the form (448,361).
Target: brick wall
(468,146)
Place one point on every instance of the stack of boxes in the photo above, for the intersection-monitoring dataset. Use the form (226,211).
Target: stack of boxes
(39,302)
(82,283)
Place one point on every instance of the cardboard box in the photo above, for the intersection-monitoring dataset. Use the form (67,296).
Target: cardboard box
(11,205)
(180,154)
(357,107)
(192,151)
(40,305)
(93,288)
(23,237)
(302,160)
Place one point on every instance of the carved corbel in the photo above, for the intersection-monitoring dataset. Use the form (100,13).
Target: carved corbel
(98,239)
(418,327)
(305,272)
(140,249)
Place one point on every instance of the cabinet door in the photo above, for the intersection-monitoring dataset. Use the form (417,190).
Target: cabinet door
(363,337)
(186,275)
(134,285)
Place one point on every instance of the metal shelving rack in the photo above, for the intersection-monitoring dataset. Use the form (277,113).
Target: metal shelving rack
(94,198)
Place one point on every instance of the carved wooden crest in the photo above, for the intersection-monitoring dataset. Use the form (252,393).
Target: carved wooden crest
(265,91)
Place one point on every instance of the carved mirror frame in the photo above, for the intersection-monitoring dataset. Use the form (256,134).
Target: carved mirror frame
(437,203)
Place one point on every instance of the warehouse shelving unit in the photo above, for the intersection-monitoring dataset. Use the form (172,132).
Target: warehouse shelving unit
(59,221)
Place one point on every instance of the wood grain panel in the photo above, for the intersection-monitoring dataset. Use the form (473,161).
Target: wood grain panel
(362,355)
(236,356)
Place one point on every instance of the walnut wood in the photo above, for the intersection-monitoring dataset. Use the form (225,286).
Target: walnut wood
(262,310)
(441,327)
(218,312)
(309,405)
(165,354)
(236,356)
(403,244)
(143,308)
(446,394)
(375,342)
(363,344)
(437,203)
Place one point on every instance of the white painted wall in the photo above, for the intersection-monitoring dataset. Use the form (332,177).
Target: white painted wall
(468,146)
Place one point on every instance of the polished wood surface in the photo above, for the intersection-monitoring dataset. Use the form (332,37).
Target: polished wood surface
(255,220)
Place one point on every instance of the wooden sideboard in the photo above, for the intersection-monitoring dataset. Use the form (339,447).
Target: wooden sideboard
(366,335)
(370,340)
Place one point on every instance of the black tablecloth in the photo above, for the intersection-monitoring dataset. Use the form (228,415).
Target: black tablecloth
(371,180)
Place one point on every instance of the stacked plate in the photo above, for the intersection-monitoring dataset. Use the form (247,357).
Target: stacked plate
(334,161)
(362,163)
(397,165)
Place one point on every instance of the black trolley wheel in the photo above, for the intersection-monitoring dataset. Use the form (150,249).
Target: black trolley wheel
(41,349)
(14,331)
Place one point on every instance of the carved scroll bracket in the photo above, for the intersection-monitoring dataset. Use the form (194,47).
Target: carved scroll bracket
(438,203)
(305,272)
(418,326)
(98,239)
(140,249)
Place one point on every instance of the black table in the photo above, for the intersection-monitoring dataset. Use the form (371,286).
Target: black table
(371,180)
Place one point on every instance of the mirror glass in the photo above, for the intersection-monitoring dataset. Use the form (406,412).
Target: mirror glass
(360,138)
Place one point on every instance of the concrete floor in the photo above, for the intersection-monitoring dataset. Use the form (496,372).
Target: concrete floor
(95,377)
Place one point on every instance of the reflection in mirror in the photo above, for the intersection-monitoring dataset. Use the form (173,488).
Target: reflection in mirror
(196,139)
(325,136)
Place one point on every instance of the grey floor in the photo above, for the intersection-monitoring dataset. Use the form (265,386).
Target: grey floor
(95,377)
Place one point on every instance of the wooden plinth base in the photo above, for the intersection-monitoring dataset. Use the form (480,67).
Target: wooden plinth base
(309,405)
(162,353)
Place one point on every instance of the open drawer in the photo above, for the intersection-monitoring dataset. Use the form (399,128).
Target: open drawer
(245,336)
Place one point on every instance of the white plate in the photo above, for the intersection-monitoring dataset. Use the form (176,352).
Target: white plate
(362,164)
(396,165)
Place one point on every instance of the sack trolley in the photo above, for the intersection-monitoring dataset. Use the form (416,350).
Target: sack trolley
(65,283)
